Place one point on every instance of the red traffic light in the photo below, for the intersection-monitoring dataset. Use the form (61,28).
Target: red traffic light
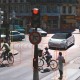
(35,11)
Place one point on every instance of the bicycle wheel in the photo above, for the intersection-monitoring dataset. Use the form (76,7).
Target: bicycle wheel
(53,64)
(1,58)
(40,62)
(10,58)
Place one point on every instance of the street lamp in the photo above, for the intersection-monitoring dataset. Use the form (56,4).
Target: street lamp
(1,22)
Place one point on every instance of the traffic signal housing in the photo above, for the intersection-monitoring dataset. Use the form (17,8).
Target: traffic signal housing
(35,20)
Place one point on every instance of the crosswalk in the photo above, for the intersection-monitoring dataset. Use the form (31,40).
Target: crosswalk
(21,45)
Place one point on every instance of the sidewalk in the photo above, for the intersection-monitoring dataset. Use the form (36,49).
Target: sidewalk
(76,31)
(71,72)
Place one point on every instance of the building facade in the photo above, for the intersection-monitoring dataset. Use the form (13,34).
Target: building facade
(55,14)
(78,14)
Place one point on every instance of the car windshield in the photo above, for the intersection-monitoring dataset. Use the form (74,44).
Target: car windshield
(18,27)
(60,36)
(14,33)
(33,29)
(38,29)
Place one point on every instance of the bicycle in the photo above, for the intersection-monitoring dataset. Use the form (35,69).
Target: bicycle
(42,60)
(9,58)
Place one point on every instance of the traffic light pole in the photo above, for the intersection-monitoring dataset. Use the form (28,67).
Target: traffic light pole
(35,24)
(1,22)
(35,63)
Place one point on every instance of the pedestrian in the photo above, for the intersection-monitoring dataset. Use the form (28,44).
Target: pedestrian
(61,60)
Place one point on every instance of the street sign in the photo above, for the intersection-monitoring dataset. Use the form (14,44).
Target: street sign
(35,38)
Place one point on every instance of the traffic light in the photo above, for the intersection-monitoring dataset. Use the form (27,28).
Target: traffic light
(35,21)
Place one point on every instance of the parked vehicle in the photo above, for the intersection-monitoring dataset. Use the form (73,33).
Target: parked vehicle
(15,35)
(42,32)
(17,28)
(3,37)
(61,40)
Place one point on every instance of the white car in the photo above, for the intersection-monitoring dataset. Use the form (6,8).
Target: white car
(3,36)
(42,32)
(15,36)
(61,40)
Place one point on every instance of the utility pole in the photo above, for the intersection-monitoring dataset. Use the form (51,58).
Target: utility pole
(13,16)
(1,22)
(6,26)
(35,24)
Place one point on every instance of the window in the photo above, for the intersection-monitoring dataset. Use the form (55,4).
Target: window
(14,33)
(43,8)
(59,36)
(21,8)
(10,1)
(64,9)
(27,8)
(27,0)
(64,1)
(55,9)
(70,9)
(21,0)
(4,1)
(48,9)
(15,0)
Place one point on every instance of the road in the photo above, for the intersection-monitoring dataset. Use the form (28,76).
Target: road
(22,68)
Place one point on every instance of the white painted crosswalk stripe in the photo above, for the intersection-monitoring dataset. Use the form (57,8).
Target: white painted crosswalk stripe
(22,45)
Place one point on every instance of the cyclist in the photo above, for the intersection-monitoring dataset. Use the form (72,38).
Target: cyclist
(7,49)
(48,56)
